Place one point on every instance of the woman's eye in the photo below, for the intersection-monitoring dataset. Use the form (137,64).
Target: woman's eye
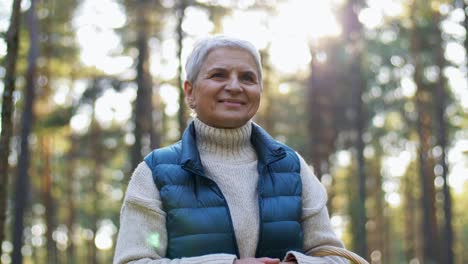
(217,75)
(248,78)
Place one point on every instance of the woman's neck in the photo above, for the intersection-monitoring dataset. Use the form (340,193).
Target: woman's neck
(225,144)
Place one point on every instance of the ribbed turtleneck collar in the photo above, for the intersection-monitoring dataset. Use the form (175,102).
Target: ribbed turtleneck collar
(225,144)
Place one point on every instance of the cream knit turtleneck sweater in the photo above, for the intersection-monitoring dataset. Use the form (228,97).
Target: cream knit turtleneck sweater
(230,160)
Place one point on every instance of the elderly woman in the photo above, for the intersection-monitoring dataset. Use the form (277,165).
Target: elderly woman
(227,192)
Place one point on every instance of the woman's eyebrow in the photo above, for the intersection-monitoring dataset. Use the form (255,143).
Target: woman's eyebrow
(249,72)
(222,69)
(216,69)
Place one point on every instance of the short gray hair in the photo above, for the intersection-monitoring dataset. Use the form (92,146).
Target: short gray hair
(205,46)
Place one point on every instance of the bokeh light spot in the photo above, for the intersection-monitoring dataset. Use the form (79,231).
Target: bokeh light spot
(153,240)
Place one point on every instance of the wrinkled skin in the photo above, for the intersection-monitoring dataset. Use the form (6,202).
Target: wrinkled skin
(227,91)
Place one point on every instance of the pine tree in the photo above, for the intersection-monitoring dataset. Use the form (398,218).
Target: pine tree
(27,121)
(12,39)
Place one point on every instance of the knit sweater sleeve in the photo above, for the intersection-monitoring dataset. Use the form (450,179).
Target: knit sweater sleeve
(315,220)
(142,237)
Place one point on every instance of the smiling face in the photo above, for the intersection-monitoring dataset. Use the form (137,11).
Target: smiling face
(226,93)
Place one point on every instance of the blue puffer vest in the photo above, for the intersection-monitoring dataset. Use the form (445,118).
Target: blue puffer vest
(198,220)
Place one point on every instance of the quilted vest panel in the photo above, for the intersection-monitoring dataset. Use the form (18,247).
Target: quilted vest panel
(280,209)
(198,220)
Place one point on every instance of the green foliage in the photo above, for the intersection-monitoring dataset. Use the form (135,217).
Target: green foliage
(58,118)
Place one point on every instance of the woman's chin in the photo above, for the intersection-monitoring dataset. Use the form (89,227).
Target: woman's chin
(228,122)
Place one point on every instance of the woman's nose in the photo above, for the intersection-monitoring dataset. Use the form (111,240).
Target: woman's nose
(233,85)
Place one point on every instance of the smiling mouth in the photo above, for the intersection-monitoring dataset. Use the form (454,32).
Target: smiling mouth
(234,102)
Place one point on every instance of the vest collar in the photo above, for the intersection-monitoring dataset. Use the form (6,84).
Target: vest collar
(268,150)
(190,157)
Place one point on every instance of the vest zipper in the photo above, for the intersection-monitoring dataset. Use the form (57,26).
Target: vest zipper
(229,216)
(260,210)
(218,190)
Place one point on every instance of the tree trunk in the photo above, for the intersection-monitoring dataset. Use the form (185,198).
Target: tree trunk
(182,114)
(442,143)
(12,39)
(412,215)
(27,121)
(321,99)
(324,108)
(315,124)
(358,85)
(48,199)
(386,228)
(423,99)
(96,148)
(70,170)
(409,217)
(376,239)
(324,84)
(354,37)
(427,176)
(144,123)
(266,115)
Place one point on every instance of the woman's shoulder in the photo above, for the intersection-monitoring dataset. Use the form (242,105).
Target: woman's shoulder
(314,193)
(141,181)
(164,155)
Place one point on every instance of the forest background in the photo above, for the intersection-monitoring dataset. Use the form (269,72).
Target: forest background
(374,94)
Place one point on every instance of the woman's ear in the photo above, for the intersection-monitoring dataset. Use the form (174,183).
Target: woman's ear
(189,94)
